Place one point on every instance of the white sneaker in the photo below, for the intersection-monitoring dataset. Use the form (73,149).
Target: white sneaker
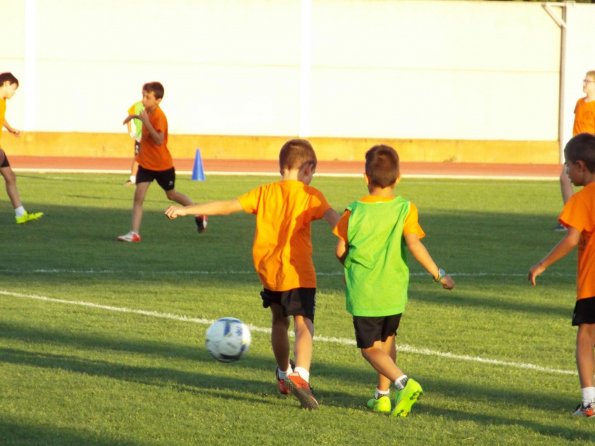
(131,237)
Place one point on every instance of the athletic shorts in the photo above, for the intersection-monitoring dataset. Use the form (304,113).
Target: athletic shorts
(584,311)
(371,329)
(3,159)
(298,301)
(165,178)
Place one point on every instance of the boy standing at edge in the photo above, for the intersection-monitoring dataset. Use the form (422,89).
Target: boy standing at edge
(154,159)
(578,216)
(584,122)
(373,233)
(8,87)
(282,255)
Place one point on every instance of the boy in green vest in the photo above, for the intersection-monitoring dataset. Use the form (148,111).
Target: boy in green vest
(373,233)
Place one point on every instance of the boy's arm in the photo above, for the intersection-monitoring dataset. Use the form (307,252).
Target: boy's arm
(156,136)
(562,248)
(10,129)
(212,208)
(331,217)
(421,254)
(341,251)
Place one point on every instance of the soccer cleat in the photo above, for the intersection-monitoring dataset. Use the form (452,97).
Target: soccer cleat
(585,411)
(301,389)
(27,217)
(406,398)
(131,237)
(201,223)
(380,405)
(284,389)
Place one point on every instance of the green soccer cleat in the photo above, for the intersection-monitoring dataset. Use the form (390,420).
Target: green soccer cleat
(27,217)
(406,398)
(380,405)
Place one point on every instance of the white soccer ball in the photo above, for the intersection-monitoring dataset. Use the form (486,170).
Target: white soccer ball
(228,339)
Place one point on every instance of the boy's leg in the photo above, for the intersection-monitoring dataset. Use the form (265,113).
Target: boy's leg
(178,197)
(585,358)
(565,185)
(279,337)
(299,380)
(10,181)
(137,206)
(383,362)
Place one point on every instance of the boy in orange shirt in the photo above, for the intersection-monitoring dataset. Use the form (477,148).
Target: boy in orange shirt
(578,216)
(282,255)
(154,160)
(584,122)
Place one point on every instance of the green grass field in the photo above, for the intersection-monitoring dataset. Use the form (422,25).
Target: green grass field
(102,343)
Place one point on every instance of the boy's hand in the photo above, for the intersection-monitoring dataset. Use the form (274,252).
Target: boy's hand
(447,282)
(14,132)
(535,271)
(129,118)
(173,212)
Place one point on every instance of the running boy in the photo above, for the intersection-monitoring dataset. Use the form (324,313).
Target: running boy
(154,159)
(584,122)
(282,255)
(373,233)
(578,216)
(136,134)
(8,87)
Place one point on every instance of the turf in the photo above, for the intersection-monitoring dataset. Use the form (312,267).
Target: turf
(102,343)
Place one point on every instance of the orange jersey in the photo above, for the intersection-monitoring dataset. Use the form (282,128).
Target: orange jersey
(2,114)
(411,225)
(155,156)
(579,213)
(584,117)
(282,249)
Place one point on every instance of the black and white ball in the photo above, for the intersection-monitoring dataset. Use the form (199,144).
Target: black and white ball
(228,339)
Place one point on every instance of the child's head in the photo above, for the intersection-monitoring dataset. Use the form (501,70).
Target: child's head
(589,82)
(152,95)
(581,148)
(9,84)
(297,154)
(382,166)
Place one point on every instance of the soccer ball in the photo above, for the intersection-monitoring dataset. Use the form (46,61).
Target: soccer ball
(228,339)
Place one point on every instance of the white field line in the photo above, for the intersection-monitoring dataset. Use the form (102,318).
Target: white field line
(91,272)
(318,174)
(326,339)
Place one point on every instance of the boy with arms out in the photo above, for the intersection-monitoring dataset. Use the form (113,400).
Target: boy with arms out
(578,216)
(282,255)
(584,122)
(154,160)
(8,87)
(373,233)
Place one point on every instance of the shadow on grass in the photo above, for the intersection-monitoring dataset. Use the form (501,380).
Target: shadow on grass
(18,433)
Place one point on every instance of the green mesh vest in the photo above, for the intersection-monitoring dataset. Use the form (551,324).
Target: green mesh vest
(376,271)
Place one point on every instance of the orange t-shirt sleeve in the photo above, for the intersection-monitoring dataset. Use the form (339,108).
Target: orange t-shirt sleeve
(411,225)
(249,200)
(341,229)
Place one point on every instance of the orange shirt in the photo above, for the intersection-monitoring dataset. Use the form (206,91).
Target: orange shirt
(2,114)
(282,249)
(579,212)
(155,156)
(584,117)
(411,225)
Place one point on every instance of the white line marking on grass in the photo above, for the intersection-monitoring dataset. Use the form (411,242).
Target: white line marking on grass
(326,339)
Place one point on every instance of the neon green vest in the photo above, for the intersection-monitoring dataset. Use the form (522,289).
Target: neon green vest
(376,271)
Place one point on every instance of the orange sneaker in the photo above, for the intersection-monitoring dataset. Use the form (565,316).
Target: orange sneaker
(301,389)
(284,389)
(585,411)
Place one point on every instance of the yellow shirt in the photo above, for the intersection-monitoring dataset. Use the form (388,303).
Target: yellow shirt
(2,114)
(282,248)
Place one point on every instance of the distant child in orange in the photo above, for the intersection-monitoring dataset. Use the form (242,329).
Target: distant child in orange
(578,216)
(282,254)
(135,130)
(154,160)
(8,87)
(584,122)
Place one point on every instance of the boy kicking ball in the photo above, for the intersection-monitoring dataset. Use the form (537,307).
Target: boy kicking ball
(578,216)
(373,233)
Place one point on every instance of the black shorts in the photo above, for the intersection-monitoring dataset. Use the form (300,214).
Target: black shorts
(165,178)
(3,158)
(371,329)
(584,311)
(298,301)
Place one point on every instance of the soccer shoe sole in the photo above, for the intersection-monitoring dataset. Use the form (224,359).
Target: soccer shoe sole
(304,396)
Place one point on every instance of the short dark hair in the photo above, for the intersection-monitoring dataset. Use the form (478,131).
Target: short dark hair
(382,166)
(156,88)
(581,148)
(295,153)
(8,77)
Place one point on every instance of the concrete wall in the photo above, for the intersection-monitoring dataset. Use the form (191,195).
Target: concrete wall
(442,80)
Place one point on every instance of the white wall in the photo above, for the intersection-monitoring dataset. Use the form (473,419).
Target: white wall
(375,68)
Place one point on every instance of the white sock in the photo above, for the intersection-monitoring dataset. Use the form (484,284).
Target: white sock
(303,373)
(380,393)
(20,211)
(133,179)
(401,382)
(283,374)
(588,395)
